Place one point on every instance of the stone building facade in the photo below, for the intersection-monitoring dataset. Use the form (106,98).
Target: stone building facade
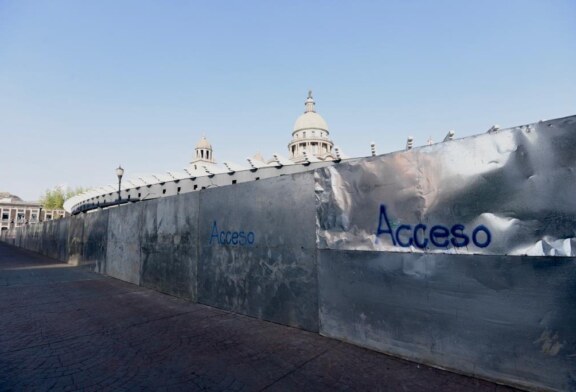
(15,212)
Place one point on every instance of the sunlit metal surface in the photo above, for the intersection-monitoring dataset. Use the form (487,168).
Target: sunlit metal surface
(507,192)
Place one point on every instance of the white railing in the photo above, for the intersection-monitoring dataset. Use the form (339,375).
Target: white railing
(184,181)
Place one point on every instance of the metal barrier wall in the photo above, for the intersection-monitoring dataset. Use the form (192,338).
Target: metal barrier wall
(505,318)
(258,252)
(169,250)
(504,193)
(421,254)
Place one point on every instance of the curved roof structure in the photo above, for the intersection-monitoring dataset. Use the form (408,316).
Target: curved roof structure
(310,119)
(204,143)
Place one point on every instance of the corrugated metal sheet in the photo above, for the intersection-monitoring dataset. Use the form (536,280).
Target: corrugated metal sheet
(512,192)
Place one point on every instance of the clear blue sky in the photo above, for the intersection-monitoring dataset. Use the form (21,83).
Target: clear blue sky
(86,85)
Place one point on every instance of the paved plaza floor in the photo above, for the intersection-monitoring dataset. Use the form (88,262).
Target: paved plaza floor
(64,328)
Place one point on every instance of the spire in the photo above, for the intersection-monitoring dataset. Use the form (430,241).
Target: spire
(310,104)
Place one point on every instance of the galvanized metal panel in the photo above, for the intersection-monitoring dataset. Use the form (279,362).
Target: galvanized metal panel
(63,228)
(95,239)
(509,192)
(34,237)
(48,244)
(123,243)
(27,238)
(54,241)
(75,239)
(504,318)
(257,250)
(8,236)
(169,245)
(18,236)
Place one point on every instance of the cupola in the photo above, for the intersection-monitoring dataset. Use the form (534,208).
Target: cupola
(310,135)
(204,153)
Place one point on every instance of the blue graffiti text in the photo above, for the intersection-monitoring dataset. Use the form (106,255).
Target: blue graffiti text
(240,238)
(437,236)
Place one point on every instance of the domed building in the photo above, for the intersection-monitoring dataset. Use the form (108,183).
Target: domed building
(204,154)
(310,136)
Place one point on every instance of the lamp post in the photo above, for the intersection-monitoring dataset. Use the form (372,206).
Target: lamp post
(119,173)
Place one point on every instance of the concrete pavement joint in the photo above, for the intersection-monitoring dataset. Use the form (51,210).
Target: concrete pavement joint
(296,368)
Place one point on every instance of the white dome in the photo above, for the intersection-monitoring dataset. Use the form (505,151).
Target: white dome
(310,120)
(314,144)
(203,143)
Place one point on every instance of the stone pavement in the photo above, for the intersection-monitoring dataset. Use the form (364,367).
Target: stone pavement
(64,328)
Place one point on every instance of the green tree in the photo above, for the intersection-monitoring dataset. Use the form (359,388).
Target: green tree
(54,198)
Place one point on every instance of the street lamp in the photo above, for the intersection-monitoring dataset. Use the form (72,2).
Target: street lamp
(119,173)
